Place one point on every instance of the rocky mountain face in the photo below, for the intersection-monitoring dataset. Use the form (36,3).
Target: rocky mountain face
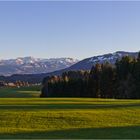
(30,65)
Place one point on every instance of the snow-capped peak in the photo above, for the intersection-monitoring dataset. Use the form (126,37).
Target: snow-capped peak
(111,57)
(31,65)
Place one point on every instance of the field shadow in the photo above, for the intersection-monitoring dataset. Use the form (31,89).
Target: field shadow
(67,106)
(129,132)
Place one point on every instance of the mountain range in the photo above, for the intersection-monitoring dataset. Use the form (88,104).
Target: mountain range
(70,64)
(30,65)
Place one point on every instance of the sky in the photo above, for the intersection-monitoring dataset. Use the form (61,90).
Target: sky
(53,29)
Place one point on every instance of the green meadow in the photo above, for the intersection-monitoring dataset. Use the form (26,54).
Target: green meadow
(22,92)
(67,118)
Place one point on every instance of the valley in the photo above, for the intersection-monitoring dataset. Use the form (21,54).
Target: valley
(69,69)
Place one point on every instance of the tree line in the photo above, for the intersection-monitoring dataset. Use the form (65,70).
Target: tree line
(121,81)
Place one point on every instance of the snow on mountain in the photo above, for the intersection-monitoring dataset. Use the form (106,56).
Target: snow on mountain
(112,57)
(30,65)
(87,63)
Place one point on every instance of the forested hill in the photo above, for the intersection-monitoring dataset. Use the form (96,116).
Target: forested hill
(103,80)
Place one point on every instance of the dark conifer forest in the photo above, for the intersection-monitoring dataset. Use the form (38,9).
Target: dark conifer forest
(120,81)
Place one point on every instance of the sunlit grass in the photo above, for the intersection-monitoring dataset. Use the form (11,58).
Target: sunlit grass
(69,118)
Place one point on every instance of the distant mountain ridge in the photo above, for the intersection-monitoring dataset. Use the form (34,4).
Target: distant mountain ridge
(85,64)
(30,65)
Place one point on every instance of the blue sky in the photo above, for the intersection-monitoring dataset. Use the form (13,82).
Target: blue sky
(68,29)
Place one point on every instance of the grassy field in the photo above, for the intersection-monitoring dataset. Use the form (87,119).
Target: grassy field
(69,118)
(23,92)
